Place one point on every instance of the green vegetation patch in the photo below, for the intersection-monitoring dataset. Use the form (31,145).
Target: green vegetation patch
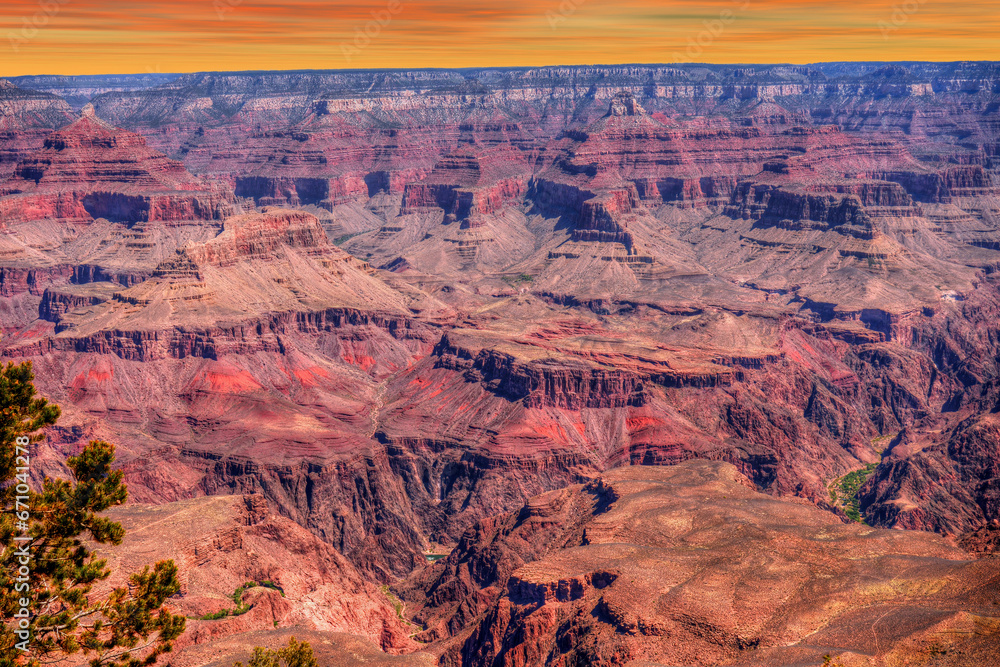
(296,654)
(514,281)
(849,485)
(267,583)
(341,240)
(237,597)
(397,604)
(215,615)
(881,442)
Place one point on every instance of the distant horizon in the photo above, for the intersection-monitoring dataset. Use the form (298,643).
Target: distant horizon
(361,70)
(87,37)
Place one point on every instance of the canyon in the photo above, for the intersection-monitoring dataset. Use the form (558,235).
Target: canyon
(499,345)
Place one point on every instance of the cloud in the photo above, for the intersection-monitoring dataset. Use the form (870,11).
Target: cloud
(87,36)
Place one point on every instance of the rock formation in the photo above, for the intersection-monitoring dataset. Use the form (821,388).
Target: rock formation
(222,543)
(90,169)
(689,565)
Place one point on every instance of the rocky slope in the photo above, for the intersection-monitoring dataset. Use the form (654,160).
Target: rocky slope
(267,330)
(94,203)
(689,565)
(221,543)
(26,117)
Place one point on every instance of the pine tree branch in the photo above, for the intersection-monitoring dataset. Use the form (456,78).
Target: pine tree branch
(128,651)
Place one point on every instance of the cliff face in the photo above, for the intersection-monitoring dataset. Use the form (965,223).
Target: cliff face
(770,206)
(468,185)
(57,301)
(261,260)
(944,186)
(677,136)
(270,285)
(90,169)
(938,473)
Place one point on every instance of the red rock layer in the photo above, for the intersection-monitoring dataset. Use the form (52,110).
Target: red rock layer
(90,169)
(467,184)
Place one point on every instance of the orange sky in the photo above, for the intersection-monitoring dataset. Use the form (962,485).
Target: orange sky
(122,36)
